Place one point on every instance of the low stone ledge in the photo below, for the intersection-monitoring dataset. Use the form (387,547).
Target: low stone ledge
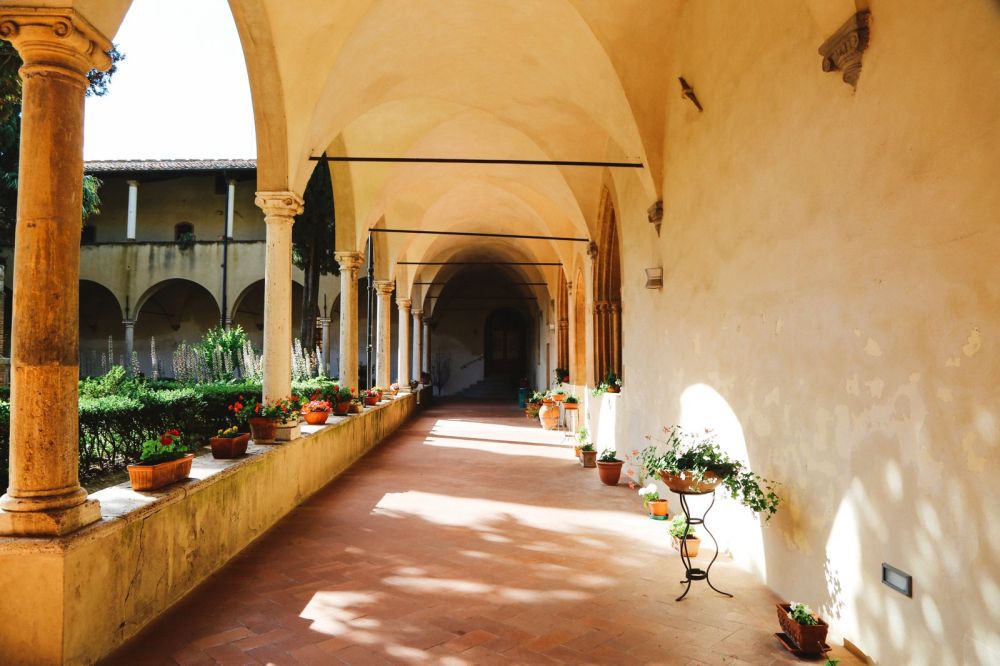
(76,598)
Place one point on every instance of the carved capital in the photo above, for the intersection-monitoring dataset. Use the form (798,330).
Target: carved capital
(348,261)
(417,314)
(655,212)
(384,287)
(842,52)
(54,40)
(404,303)
(279,207)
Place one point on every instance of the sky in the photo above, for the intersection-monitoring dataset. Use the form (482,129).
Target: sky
(182,91)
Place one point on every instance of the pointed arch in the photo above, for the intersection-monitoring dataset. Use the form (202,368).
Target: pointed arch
(607,294)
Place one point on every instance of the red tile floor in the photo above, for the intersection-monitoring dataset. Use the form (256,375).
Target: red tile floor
(470,536)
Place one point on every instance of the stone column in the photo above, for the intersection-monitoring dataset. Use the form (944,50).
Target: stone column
(133,196)
(403,351)
(383,333)
(230,204)
(324,342)
(129,342)
(418,342)
(58,48)
(349,262)
(615,324)
(426,340)
(280,209)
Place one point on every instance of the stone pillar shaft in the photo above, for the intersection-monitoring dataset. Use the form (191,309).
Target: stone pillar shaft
(403,352)
(129,341)
(133,197)
(324,345)
(426,344)
(280,209)
(230,205)
(383,333)
(418,343)
(349,262)
(58,48)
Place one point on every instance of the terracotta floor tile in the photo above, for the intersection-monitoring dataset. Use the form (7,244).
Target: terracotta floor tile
(467,537)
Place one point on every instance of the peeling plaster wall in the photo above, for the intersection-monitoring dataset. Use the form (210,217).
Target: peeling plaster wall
(832,307)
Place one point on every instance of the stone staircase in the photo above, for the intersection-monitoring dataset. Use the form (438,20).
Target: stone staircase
(494,388)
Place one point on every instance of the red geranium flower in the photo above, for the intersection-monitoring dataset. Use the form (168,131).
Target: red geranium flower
(256,409)
(174,432)
(166,439)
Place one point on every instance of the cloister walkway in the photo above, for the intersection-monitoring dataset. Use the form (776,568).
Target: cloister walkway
(469,537)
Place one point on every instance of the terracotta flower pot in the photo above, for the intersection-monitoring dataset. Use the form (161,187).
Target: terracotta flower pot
(229,447)
(356,408)
(658,508)
(371,400)
(693,543)
(588,458)
(549,416)
(571,405)
(810,638)
(263,429)
(686,483)
(316,418)
(576,450)
(151,477)
(610,472)
(342,408)
(614,389)
(558,397)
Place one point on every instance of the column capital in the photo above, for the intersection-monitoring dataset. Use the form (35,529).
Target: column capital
(129,323)
(417,313)
(384,287)
(132,182)
(54,40)
(279,207)
(323,321)
(404,303)
(348,260)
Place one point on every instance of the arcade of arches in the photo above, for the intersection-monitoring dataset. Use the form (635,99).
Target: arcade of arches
(825,226)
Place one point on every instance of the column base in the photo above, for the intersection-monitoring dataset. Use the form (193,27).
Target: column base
(49,523)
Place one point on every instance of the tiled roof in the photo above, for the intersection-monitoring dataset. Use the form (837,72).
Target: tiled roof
(119,166)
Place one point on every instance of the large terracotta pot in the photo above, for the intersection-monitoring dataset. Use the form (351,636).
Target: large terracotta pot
(693,543)
(316,418)
(263,429)
(658,508)
(614,389)
(229,447)
(151,477)
(610,472)
(549,416)
(810,638)
(558,397)
(371,400)
(686,483)
(342,408)
(588,458)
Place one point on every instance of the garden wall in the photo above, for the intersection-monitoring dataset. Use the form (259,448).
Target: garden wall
(83,595)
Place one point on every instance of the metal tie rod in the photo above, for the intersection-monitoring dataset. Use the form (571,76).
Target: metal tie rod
(478,234)
(475,160)
(479,263)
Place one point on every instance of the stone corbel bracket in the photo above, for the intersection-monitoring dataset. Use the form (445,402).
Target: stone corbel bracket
(655,215)
(842,52)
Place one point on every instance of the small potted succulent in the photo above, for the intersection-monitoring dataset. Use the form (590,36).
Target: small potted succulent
(572,402)
(341,399)
(683,536)
(316,412)
(588,455)
(370,396)
(657,507)
(161,462)
(609,468)
(229,443)
(803,627)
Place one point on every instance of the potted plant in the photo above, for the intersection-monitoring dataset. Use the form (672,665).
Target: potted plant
(287,427)
(414,384)
(340,398)
(582,435)
(273,421)
(357,407)
(162,461)
(695,463)
(316,412)
(559,395)
(533,404)
(394,388)
(609,468)
(561,375)
(656,506)
(370,397)
(229,443)
(683,536)
(572,402)
(588,455)
(613,383)
(803,627)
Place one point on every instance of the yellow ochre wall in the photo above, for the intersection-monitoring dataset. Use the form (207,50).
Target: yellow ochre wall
(831,302)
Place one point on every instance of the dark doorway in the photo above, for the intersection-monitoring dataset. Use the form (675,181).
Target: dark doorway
(506,344)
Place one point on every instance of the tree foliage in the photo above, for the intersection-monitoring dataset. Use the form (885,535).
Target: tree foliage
(313,245)
(10,135)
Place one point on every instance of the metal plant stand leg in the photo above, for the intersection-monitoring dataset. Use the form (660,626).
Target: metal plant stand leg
(692,573)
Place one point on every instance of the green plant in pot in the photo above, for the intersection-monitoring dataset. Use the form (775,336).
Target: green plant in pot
(683,535)
(571,402)
(341,400)
(803,627)
(609,467)
(588,455)
(655,505)
(561,375)
(161,462)
(693,462)
(613,382)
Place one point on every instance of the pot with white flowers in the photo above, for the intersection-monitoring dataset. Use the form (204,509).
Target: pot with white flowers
(805,629)
(657,507)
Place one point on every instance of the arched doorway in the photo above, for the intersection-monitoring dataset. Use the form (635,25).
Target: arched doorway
(505,344)
(607,296)
(171,312)
(102,333)
(248,311)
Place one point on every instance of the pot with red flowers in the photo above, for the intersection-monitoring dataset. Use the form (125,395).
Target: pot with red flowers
(316,412)
(163,461)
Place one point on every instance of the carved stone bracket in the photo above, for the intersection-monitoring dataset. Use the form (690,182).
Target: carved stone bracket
(842,52)
(655,215)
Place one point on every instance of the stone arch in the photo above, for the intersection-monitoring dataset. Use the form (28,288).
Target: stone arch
(607,294)
(171,312)
(100,319)
(248,311)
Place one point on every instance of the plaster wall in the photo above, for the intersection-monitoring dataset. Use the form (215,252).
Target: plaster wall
(831,306)
(81,596)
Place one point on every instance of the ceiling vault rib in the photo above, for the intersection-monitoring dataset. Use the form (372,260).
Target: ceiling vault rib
(479,263)
(474,160)
(478,234)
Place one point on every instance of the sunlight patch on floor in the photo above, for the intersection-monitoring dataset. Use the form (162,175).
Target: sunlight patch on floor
(534,449)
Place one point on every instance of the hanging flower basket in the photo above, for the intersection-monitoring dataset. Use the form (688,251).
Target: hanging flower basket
(151,477)
(687,482)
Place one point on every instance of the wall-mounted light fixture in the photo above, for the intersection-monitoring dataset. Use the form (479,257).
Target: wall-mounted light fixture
(654,278)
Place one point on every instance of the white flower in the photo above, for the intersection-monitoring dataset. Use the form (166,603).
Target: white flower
(649,489)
